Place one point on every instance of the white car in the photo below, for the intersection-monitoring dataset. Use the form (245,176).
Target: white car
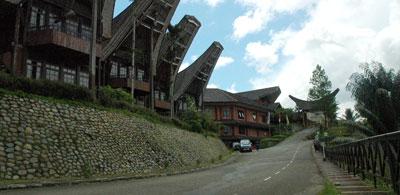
(245,145)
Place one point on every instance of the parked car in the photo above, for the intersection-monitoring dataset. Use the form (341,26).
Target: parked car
(245,145)
(236,146)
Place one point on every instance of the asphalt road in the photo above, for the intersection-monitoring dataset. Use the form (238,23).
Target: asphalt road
(288,168)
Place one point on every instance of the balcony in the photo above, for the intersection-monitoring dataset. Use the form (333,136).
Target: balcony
(126,83)
(56,35)
(162,104)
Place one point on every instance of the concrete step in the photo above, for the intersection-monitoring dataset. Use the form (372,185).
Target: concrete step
(349,183)
(366,192)
(355,188)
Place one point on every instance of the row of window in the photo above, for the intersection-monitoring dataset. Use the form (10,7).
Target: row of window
(241,114)
(228,130)
(118,70)
(74,27)
(52,72)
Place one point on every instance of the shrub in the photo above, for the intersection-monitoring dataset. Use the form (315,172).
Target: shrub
(114,97)
(44,88)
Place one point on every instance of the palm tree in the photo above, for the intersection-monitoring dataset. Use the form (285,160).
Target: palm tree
(350,115)
(377,93)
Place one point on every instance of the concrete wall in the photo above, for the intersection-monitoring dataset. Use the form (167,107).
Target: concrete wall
(42,139)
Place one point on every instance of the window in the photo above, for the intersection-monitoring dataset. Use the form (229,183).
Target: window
(264,119)
(54,22)
(242,130)
(69,76)
(33,69)
(33,19)
(72,27)
(240,114)
(226,113)
(84,79)
(140,75)
(52,72)
(86,32)
(122,72)
(42,14)
(162,96)
(227,130)
(114,69)
(254,116)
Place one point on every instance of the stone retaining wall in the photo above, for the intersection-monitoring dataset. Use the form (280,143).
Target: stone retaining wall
(42,139)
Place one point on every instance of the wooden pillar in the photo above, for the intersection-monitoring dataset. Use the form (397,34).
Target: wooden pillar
(152,64)
(92,59)
(17,28)
(133,71)
(171,91)
(77,74)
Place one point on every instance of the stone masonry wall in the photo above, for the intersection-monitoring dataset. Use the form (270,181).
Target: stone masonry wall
(42,139)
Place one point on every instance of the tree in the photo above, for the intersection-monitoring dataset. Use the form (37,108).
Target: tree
(350,115)
(321,87)
(377,94)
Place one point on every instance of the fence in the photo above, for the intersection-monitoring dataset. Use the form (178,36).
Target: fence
(376,157)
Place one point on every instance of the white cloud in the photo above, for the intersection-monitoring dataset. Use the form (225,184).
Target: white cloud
(188,63)
(212,85)
(183,66)
(260,12)
(211,3)
(232,88)
(224,61)
(339,35)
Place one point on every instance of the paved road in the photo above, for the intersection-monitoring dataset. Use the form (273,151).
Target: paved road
(288,168)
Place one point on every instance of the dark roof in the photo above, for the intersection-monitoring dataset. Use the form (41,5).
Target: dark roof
(176,44)
(313,105)
(141,10)
(194,79)
(221,96)
(274,106)
(271,94)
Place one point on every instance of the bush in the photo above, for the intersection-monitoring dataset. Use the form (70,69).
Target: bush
(44,88)
(114,97)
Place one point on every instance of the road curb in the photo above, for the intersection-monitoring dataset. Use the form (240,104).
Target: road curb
(119,178)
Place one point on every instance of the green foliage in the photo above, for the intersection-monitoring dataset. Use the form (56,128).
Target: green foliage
(275,139)
(113,97)
(44,88)
(350,115)
(329,189)
(321,87)
(199,122)
(377,93)
(87,170)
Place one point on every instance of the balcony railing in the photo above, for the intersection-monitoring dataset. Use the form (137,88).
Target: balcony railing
(72,30)
(375,157)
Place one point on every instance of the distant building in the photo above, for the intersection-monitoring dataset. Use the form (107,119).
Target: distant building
(313,111)
(243,115)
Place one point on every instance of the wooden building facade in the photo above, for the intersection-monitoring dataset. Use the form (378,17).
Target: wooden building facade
(243,115)
(138,50)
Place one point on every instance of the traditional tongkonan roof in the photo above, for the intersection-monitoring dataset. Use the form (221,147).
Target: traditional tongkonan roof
(194,79)
(151,14)
(221,96)
(177,42)
(313,105)
(269,94)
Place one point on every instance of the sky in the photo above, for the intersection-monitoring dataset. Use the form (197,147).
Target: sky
(279,42)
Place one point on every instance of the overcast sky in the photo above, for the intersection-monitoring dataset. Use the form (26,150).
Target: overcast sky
(279,42)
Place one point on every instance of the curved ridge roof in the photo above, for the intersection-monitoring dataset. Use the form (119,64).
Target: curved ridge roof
(312,105)
(200,70)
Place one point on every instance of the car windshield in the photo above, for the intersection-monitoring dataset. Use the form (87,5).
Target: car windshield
(245,141)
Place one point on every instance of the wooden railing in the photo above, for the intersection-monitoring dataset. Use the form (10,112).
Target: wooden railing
(375,157)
